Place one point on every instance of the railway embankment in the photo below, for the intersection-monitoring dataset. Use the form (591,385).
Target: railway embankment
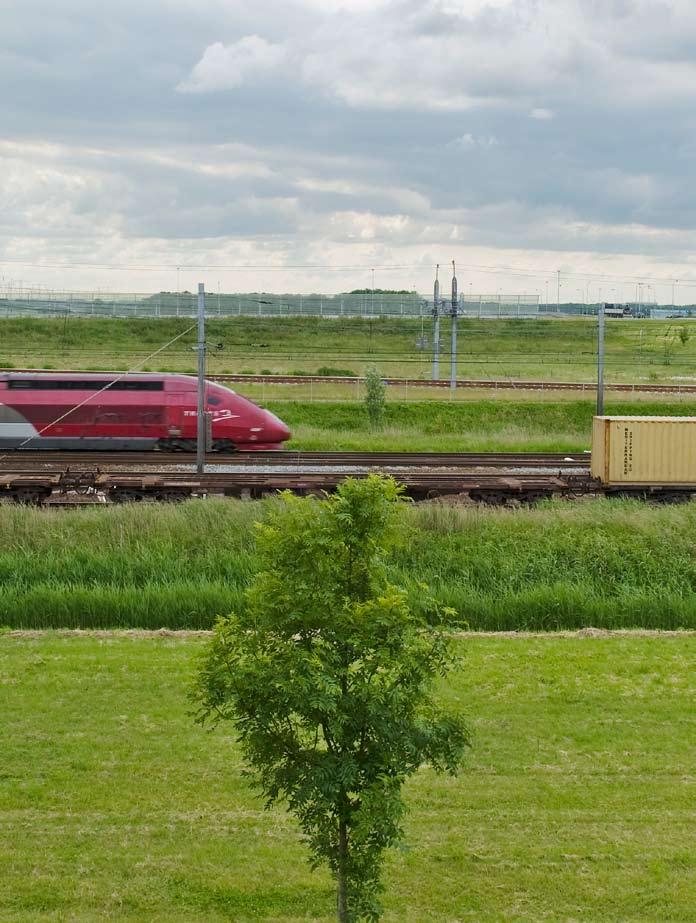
(607,564)
(458,426)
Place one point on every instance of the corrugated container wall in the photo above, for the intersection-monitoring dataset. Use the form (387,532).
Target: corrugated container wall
(644,450)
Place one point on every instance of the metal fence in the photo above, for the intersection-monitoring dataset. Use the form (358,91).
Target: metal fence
(26,302)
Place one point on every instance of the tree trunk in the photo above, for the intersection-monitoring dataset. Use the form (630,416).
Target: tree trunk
(342,868)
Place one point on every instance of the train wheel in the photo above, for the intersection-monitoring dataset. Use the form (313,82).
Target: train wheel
(30,496)
(671,496)
(125,496)
(172,496)
(489,497)
(534,496)
(176,445)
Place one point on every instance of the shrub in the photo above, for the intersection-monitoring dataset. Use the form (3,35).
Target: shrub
(375,391)
(329,372)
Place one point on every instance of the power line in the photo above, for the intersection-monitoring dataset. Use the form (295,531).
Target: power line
(238,267)
(350,267)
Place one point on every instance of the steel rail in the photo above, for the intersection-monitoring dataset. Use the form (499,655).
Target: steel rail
(55,458)
(476,383)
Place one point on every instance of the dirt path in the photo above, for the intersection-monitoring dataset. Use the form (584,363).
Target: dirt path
(138,634)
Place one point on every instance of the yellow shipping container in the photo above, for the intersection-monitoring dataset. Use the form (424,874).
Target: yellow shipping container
(644,450)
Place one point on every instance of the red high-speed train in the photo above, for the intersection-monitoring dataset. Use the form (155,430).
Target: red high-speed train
(94,411)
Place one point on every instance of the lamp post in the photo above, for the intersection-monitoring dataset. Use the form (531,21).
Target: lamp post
(600,362)
(558,290)
(453,366)
(436,325)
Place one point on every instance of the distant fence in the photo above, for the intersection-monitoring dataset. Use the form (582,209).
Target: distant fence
(41,303)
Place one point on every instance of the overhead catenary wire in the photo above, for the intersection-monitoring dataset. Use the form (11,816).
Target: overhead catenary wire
(538,272)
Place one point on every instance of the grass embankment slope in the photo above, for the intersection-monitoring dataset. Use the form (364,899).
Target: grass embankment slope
(605,563)
(576,802)
(472,426)
(549,349)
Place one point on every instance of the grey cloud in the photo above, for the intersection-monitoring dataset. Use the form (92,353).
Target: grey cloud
(403,124)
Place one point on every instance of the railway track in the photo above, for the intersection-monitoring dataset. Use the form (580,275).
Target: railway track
(37,459)
(476,383)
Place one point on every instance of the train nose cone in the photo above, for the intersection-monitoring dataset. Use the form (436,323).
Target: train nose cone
(275,430)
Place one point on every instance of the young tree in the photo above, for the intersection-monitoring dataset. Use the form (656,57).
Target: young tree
(375,392)
(327,675)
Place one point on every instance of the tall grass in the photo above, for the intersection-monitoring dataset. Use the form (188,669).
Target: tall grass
(136,565)
(609,564)
(602,563)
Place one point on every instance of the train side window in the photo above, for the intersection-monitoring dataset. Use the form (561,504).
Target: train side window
(40,384)
(214,401)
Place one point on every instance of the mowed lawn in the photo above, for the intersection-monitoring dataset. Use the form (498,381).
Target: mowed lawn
(577,802)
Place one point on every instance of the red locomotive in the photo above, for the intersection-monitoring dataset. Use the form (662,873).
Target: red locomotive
(93,411)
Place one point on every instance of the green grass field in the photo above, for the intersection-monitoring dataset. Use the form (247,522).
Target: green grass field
(576,802)
(353,391)
(464,426)
(613,564)
(546,349)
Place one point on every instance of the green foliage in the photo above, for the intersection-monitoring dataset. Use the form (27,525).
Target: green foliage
(380,291)
(335,373)
(684,335)
(375,397)
(326,674)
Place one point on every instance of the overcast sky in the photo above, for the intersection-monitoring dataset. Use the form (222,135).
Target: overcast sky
(524,134)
